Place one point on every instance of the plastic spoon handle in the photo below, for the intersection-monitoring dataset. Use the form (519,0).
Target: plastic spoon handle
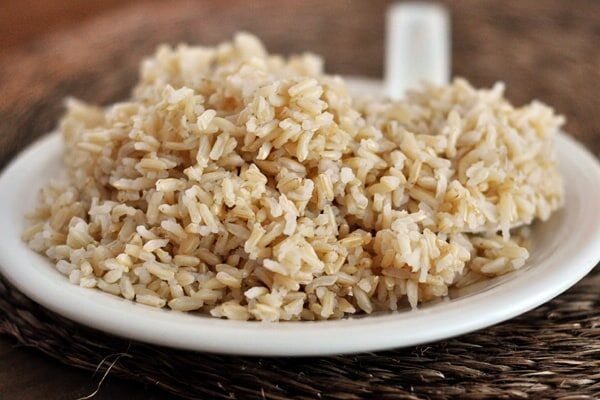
(417,46)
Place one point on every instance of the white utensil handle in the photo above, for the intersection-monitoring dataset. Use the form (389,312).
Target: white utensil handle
(417,46)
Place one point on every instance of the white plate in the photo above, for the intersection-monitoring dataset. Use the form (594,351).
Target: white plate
(566,248)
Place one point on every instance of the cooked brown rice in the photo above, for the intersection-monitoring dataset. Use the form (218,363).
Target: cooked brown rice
(250,186)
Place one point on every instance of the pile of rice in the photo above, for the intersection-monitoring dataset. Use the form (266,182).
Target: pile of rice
(251,186)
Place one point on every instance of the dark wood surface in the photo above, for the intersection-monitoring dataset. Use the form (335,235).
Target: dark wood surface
(26,374)
(48,50)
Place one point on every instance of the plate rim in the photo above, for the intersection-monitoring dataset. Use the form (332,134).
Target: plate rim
(192,332)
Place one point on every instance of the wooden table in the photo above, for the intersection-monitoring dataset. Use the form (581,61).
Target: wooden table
(545,50)
(27,375)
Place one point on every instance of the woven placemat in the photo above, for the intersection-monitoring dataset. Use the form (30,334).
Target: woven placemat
(551,352)
(541,49)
